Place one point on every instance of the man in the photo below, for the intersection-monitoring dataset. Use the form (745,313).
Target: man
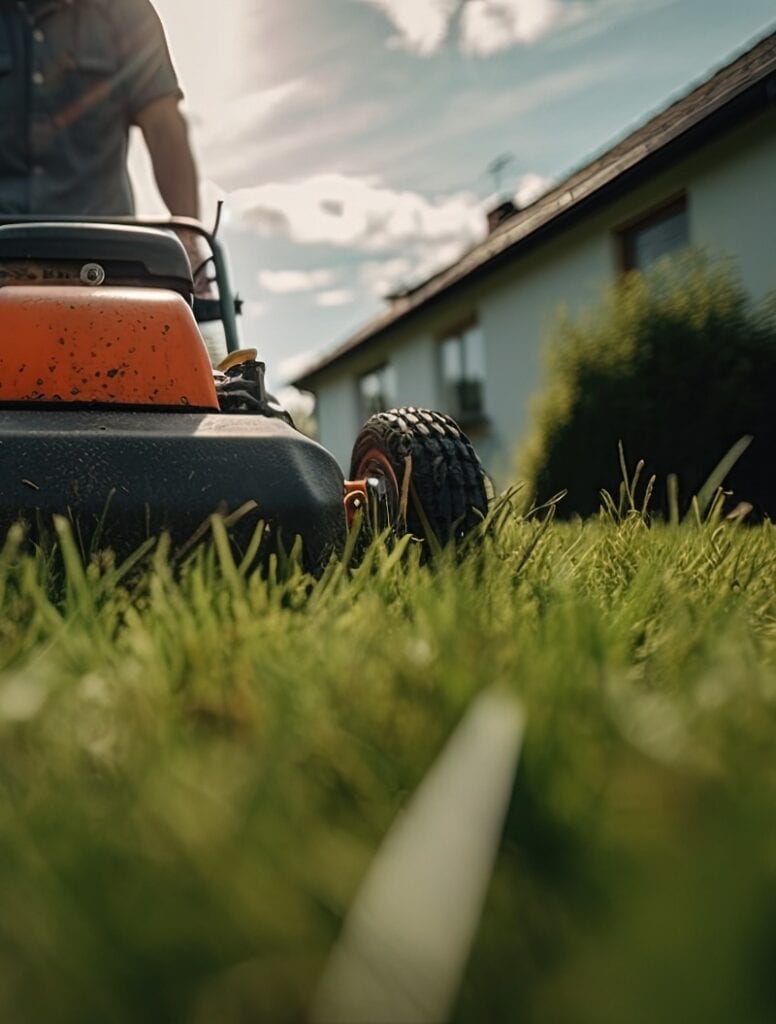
(75,75)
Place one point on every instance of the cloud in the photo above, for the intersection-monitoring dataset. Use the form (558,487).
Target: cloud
(335,298)
(249,112)
(381,277)
(433,259)
(530,187)
(287,282)
(402,238)
(422,258)
(358,213)
(317,134)
(419,262)
(293,366)
(422,24)
(488,26)
(254,309)
(300,404)
(475,111)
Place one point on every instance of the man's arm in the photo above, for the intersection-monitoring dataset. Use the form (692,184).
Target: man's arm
(166,135)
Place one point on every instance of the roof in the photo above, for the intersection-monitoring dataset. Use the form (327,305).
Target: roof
(741,89)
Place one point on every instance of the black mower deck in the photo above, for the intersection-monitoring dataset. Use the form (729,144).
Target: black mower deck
(124,475)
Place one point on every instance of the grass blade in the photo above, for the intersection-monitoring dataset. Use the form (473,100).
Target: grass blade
(719,473)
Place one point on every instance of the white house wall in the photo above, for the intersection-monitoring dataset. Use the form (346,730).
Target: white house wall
(732,209)
(337,414)
(516,313)
(733,202)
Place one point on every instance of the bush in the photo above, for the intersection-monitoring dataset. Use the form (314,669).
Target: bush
(678,366)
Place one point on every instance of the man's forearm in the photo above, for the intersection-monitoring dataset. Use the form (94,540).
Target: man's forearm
(166,135)
(167,138)
(176,179)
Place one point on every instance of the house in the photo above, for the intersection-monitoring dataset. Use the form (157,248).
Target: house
(468,341)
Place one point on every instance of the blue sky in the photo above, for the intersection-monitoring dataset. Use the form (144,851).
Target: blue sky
(351,139)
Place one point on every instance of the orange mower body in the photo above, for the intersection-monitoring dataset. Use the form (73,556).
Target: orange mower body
(111,346)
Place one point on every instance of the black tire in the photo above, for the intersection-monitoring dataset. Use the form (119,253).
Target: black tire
(446,485)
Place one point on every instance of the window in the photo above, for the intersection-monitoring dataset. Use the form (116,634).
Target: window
(462,373)
(377,390)
(661,232)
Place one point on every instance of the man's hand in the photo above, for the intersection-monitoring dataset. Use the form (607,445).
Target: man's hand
(199,258)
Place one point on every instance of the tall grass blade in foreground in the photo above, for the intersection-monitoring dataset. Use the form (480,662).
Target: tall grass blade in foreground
(409,932)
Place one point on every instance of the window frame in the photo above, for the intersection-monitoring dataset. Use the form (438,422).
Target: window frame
(628,231)
(379,371)
(457,333)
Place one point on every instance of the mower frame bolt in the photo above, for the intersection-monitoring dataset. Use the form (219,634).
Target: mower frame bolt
(92,273)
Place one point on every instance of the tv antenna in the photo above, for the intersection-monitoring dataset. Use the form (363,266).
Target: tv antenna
(497,169)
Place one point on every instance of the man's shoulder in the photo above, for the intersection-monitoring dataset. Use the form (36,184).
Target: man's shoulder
(136,22)
(120,5)
(123,10)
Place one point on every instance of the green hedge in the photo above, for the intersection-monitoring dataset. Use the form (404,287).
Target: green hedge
(677,366)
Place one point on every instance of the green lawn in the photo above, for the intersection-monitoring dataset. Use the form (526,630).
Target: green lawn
(196,769)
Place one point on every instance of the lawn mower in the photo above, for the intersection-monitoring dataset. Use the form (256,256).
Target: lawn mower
(112,415)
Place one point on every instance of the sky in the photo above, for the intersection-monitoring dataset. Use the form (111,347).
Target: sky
(352,141)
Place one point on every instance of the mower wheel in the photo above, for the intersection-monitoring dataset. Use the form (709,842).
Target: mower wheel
(423,474)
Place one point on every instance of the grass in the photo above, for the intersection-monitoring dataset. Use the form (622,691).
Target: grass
(197,768)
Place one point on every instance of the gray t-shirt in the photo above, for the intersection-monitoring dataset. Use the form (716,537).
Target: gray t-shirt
(74,74)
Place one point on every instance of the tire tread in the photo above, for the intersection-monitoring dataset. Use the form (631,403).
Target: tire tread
(447,476)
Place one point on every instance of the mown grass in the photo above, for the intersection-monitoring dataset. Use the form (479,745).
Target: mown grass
(197,767)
